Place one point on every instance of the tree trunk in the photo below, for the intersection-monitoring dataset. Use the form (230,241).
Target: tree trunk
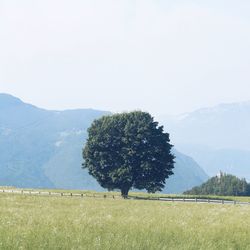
(124,192)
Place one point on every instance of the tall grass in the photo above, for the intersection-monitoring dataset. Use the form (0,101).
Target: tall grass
(37,222)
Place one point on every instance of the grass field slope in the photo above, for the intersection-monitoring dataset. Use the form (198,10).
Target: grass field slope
(48,222)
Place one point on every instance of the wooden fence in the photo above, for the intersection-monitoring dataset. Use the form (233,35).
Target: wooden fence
(62,194)
(195,200)
(109,196)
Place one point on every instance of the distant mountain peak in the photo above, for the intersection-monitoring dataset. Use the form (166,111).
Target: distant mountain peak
(223,107)
(213,111)
(9,100)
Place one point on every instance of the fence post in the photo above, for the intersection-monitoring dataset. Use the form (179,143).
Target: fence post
(105,196)
(71,194)
(82,195)
(61,194)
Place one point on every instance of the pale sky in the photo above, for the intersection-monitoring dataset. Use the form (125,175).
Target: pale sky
(165,57)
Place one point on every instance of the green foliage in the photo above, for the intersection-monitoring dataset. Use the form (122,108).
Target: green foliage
(225,184)
(128,150)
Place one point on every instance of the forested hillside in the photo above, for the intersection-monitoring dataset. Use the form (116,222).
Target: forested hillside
(223,184)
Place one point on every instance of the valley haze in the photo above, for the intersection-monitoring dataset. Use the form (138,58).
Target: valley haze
(42,149)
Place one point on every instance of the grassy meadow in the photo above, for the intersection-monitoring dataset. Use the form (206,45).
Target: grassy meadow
(47,222)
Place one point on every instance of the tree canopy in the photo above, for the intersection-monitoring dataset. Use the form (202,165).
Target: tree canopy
(128,150)
(223,184)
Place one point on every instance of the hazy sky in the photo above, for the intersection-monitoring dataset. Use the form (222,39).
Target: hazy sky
(156,55)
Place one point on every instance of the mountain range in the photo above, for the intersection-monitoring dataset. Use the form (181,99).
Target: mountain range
(42,149)
(218,138)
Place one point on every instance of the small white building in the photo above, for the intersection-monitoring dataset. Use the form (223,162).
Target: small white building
(220,174)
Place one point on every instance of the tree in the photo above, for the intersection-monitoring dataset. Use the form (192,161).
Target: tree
(224,184)
(128,150)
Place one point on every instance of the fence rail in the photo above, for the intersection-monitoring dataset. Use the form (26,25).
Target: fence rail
(107,196)
(194,200)
(51,193)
